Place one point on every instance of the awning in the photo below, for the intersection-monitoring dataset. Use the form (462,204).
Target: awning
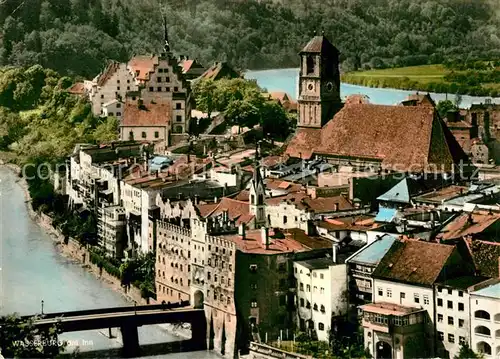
(386,215)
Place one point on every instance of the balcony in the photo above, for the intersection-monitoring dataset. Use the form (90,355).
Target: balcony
(392,318)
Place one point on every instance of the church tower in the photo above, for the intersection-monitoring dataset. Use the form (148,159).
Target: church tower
(258,193)
(319,83)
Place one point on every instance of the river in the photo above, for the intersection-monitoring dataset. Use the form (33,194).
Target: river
(31,270)
(287,80)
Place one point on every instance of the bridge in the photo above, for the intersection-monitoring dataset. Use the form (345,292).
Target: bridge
(128,319)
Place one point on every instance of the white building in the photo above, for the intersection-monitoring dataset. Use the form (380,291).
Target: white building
(321,294)
(453,314)
(401,320)
(485,320)
(110,85)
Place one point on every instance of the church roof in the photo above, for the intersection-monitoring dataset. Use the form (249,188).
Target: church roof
(319,44)
(400,138)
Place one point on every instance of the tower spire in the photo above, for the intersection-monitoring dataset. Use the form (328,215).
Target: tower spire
(167,44)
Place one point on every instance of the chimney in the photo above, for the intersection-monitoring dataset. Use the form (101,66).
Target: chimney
(179,196)
(241,230)
(334,253)
(265,236)
(215,199)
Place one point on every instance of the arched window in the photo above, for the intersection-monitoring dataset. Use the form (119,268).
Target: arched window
(315,306)
(322,309)
(261,199)
(482,314)
(497,317)
(308,305)
(310,64)
(482,330)
(483,347)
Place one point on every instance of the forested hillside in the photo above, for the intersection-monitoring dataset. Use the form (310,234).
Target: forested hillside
(76,37)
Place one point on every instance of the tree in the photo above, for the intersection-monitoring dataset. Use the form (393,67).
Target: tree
(204,94)
(467,353)
(19,338)
(443,107)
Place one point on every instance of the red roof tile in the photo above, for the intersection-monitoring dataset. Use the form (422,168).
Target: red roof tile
(403,262)
(402,138)
(317,205)
(186,65)
(107,73)
(464,225)
(237,210)
(143,65)
(220,70)
(77,89)
(150,115)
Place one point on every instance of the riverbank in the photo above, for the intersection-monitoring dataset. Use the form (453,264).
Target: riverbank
(426,78)
(73,249)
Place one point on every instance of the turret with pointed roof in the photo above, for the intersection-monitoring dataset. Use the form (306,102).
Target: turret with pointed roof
(257,193)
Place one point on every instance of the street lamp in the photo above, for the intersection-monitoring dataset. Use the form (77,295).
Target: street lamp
(42,306)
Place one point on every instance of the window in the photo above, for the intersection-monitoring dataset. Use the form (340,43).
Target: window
(461,340)
(128,81)
(322,290)
(440,302)
(461,307)
(128,88)
(315,307)
(118,105)
(167,89)
(167,79)
(321,276)
(143,134)
(285,219)
(450,304)
(322,309)
(157,134)
(159,88)
(315,289)
(178,106)
(176,89)
(402,295)
(253,267)
(302,287)
(440,318)
(151,89)
(158,79)
(451,338)
(450,321)
(253,286)
(416,298)
(117,88)
(460,293)
(254,304)
(102,96)
(441,336)
(380,292)
(440,289)
(389,293)
(450,291)
(178,118)
(308,288)
(426,299)
(302,302)
(111,114)
(460,323)
(118,114)
(160,70)
(321,326)
(131,135)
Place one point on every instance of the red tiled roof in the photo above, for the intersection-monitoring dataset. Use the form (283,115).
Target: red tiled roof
(107,73)
(318,205)
(403,262)
(143,64)
(243,196)
(77,89)
(486,257)
(419,100)
(462,227)
(279,95)
(402,138)
(357,99)
(237,210)
(186,65)
(220,70)
(150,115)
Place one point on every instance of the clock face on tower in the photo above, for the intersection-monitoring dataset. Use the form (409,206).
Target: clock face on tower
(310,86)
(329,87)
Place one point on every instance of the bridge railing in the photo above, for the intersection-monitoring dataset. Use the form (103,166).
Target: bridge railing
(167,306)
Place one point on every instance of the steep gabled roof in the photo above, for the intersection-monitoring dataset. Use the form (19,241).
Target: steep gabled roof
(107,73)
(142,66)
(319,44)
(414,262)
(219,71)
(401,138)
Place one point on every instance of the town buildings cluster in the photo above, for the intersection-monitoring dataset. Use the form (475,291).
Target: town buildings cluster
(372,217)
